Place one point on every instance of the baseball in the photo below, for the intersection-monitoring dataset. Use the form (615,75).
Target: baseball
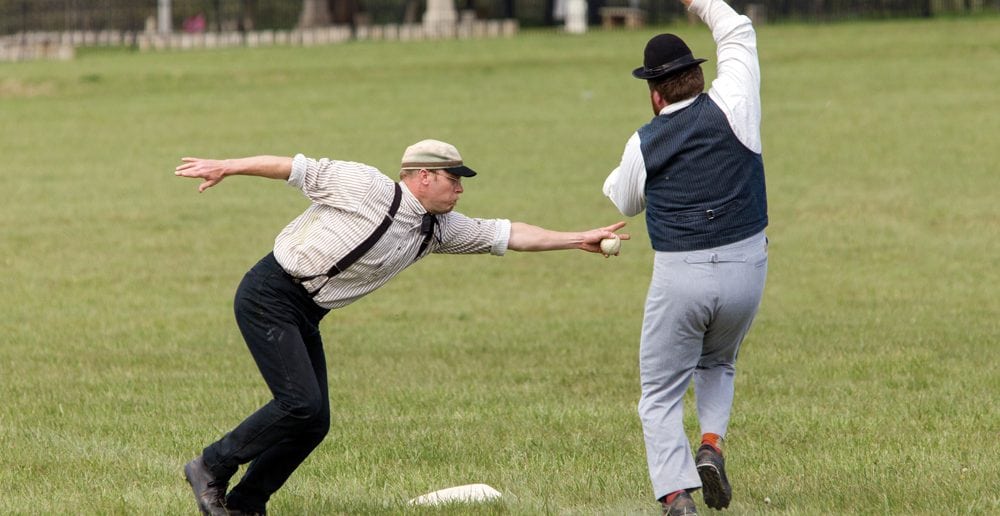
(610,246)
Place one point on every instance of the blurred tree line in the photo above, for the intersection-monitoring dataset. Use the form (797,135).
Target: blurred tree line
(225,15)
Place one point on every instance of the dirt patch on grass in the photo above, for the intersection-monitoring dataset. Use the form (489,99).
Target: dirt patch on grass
(14,88)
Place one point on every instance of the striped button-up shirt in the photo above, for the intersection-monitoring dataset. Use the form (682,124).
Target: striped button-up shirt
(349,200)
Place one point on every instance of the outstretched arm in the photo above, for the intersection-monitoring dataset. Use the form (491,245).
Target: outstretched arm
(525,237)
(213,171)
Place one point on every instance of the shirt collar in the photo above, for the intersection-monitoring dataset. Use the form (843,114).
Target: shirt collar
(677,106)
(412,207)
(410,202)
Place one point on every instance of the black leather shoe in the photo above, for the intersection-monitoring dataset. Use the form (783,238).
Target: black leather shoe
(209,493)
(683,505)
(714,484)
(237,512)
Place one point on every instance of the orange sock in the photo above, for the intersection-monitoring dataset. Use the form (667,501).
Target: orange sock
(669,499)
(713,440)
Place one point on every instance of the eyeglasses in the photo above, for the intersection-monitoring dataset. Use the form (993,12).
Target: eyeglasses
(457,181)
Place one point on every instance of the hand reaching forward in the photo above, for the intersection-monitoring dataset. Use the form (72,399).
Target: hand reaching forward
(592,239)
(525,237)
(212,171)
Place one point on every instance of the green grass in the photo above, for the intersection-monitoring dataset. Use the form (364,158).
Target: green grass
(869,384)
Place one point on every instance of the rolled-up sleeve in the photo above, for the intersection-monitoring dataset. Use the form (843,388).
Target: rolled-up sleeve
(502,238)
(465,235)
(298,175)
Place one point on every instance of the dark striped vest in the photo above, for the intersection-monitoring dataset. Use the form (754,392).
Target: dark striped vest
(704,188)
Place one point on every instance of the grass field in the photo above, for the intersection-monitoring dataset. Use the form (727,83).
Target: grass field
(870,383)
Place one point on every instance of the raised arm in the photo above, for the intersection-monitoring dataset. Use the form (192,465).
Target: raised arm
(525,237)
(736,88)
(213,171)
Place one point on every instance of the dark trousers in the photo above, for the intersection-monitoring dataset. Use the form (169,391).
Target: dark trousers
(280,324)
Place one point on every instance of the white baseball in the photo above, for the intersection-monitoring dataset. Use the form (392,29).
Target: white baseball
(610,246)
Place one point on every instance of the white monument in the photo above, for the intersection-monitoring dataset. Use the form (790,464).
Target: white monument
(576,16)
(440,17)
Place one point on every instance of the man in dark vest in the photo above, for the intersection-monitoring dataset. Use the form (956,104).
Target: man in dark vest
(696,170)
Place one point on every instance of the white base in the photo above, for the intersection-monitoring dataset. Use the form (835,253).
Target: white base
(466,493)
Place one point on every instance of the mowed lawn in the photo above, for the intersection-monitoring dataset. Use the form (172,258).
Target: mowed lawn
(869,384)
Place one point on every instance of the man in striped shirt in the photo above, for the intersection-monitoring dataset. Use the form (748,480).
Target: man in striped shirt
(696,169)
(360,230)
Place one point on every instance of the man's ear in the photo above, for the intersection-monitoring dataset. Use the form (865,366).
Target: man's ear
(656,100)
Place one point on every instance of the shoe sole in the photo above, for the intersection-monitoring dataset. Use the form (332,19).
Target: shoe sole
(716,491)
(197,496)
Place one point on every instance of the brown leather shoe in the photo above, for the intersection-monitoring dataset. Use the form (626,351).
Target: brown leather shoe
(683,505)
(714,484)
(209,493)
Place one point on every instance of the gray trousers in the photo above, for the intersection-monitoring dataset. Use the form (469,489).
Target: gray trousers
(699,307)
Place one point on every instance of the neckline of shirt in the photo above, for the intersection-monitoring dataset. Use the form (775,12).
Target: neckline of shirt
(677,106)
(413,206)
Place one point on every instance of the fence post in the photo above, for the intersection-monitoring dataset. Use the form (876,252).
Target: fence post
(163,13)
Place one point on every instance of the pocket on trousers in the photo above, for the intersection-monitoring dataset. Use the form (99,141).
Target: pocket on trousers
(760,260)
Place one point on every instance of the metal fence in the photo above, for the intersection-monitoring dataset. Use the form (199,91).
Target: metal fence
(19,16)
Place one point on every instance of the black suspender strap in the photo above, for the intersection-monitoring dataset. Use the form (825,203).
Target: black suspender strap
(427,228)
(365,246)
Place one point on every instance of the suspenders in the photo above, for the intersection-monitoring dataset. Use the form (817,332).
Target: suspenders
(362,248)
(427,228)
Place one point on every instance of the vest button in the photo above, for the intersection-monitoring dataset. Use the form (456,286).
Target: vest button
(710,214)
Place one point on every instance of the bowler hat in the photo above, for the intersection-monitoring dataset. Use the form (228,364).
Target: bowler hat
(665,54)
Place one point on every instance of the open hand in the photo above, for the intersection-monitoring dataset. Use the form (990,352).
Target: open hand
(212,171)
